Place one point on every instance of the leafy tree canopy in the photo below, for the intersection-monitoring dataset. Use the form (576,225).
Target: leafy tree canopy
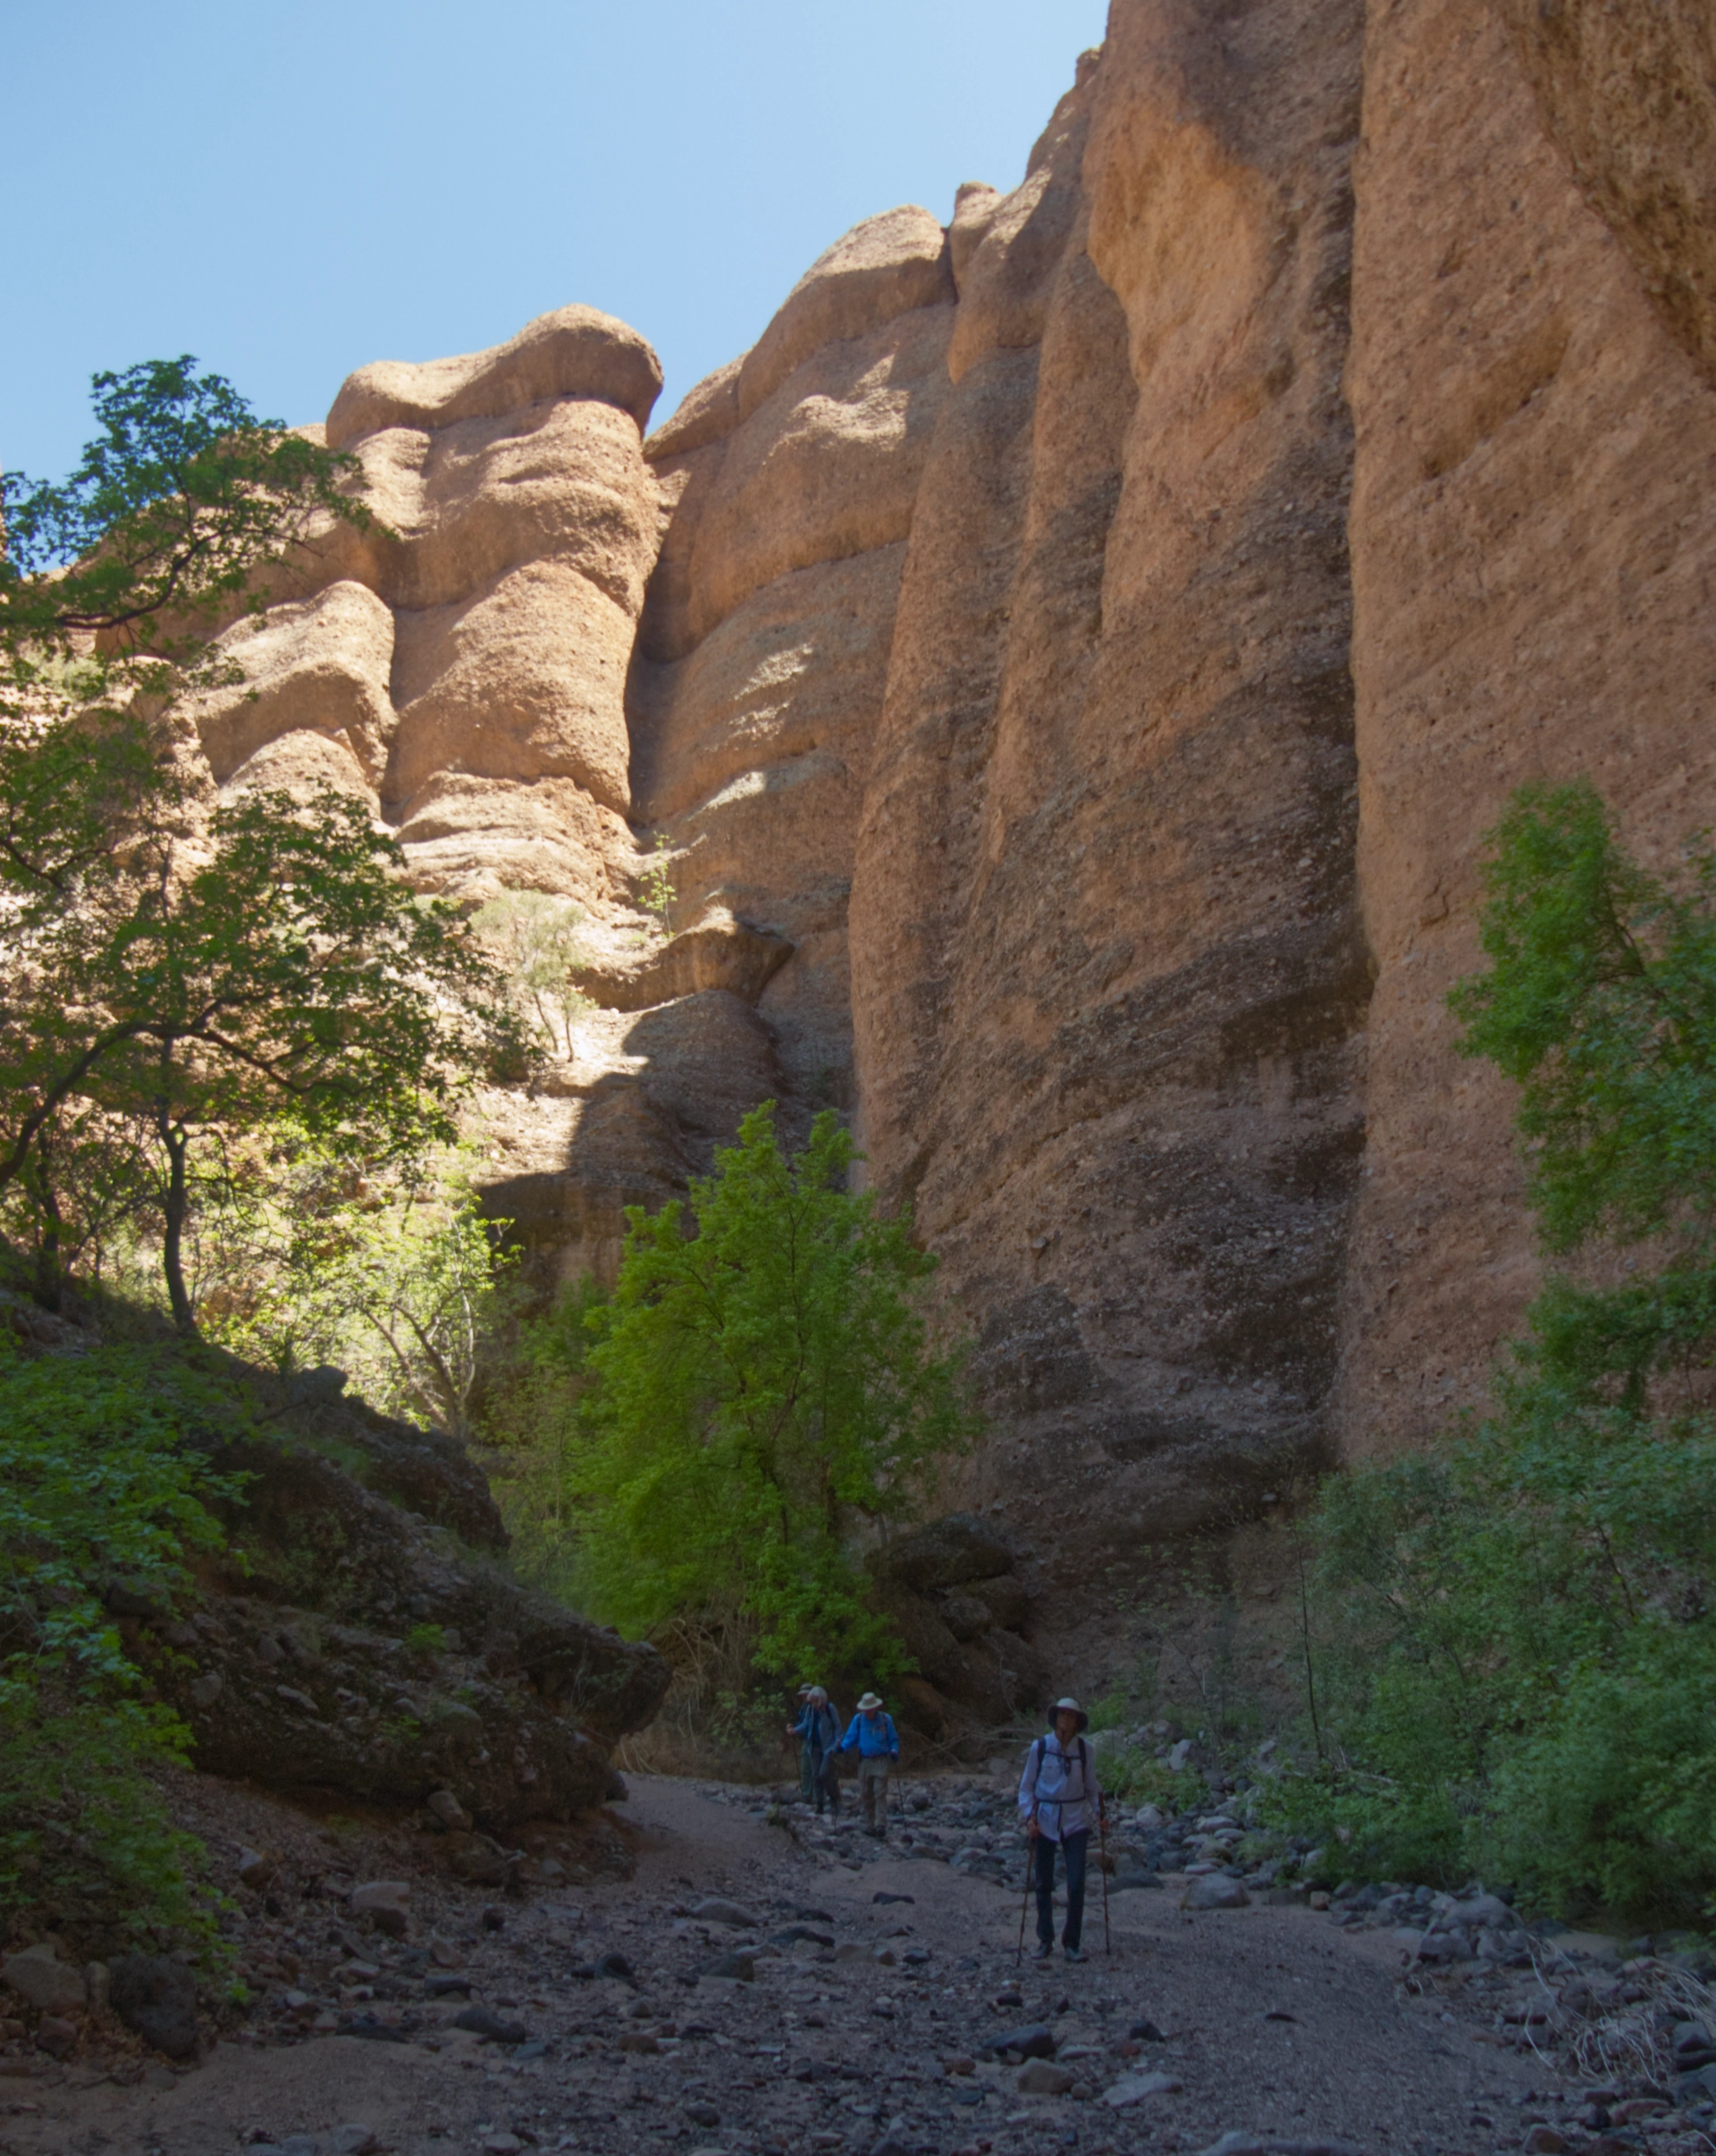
(763,1393)
(171,972)
(183,498)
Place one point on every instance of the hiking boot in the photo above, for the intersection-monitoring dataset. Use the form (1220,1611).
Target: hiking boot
(1074,1953)
(1043,1948)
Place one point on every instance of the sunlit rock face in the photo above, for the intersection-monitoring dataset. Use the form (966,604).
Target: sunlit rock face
(1068,665)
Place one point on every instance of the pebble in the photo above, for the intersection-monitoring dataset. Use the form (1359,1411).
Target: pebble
(716,1911)
(487,2025)
(1036,2041)
(54,2036)
(1043,2078)
(1134,2088)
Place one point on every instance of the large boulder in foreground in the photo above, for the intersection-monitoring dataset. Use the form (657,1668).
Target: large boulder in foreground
(355,1638)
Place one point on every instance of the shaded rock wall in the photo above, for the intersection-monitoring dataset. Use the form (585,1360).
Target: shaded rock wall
(1534,532)
(1107,975)
(1070,662)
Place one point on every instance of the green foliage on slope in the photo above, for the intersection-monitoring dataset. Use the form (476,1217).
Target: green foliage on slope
(103,1483)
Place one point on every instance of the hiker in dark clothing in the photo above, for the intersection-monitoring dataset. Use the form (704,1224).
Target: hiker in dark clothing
(1059,1798)
(797,1729)
(818,1730)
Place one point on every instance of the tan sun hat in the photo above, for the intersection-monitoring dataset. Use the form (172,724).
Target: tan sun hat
(868,1701)
(1068,1706)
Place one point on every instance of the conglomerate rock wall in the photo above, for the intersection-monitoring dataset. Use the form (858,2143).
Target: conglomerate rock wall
(1067,666)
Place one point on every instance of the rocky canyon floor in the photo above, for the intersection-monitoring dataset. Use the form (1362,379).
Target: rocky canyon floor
(870,2006)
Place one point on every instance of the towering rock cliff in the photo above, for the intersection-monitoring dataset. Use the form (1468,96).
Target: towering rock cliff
(1069,664)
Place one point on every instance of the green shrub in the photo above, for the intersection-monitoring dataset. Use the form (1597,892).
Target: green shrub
(1132,1776)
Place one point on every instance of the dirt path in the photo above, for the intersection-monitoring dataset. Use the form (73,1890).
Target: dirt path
(1273,2025)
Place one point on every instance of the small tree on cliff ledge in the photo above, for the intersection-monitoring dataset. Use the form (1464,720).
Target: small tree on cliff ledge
(759,1392)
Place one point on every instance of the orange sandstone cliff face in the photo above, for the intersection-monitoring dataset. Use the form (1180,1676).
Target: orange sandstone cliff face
(1069,664)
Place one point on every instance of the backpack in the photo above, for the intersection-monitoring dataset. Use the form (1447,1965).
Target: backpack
(1041,1751)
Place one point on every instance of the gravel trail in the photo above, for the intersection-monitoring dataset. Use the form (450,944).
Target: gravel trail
(864,2001)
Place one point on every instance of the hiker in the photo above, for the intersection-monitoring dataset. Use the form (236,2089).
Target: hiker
(877,1741)
(818,1730)
(1059,1796)
(800,1730)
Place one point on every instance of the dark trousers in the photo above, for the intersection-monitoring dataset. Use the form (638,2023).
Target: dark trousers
(1043,1869)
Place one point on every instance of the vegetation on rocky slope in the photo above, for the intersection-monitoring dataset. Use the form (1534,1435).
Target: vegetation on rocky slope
(1519,1667)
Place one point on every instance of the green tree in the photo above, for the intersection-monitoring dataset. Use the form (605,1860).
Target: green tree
(761,1395)
(174,976)
(272,966)
(393,1271)
(110,584)
(1600,1001)
(538,941)
(1520,1653)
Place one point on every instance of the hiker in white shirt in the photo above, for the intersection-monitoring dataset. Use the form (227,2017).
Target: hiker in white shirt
(1059,1800)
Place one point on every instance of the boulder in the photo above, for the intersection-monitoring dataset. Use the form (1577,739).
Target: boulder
(386,1902)
(1214,1891)
(888,265)
(156,2000)
(38,1975)
(944,1554)
(573,352)
(515,1711)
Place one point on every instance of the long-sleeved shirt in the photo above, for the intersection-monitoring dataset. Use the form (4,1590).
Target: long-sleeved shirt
(1060,1787)
(819,1727)
(874,1735)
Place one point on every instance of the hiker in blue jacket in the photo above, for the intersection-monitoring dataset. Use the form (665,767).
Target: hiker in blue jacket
(872,1734)
(1060,1800)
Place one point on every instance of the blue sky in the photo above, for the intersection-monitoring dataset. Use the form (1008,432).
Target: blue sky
(290,191)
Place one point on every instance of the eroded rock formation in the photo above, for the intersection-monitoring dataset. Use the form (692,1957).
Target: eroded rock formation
(1071,661)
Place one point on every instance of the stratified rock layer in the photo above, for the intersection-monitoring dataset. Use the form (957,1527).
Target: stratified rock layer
(1067,668)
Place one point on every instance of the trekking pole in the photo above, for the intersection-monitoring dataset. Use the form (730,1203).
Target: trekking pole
(1102,1858)
(1024,1905)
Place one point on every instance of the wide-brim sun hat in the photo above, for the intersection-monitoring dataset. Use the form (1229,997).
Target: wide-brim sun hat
(869,1700)
(1068,1706)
